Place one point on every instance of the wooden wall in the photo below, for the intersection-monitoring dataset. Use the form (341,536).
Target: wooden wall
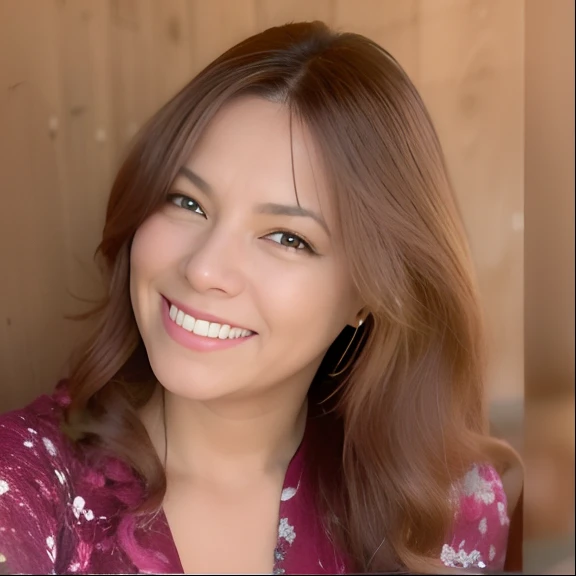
(549,438)
(78,77)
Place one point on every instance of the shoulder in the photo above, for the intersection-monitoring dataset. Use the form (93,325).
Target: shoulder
(33,482)
(32,435)
(62,507)
(484,507)
(510,469)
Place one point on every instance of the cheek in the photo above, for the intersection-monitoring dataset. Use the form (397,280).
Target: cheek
(153,257)
(155,248)
(311,302)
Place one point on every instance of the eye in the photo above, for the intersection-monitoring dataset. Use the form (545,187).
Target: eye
(290,241)
(183,201)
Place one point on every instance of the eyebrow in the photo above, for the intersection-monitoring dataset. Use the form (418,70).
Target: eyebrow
(267,208)
(285,210)
(196,180)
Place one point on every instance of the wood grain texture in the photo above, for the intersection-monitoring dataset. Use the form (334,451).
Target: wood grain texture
(93,71)
(34,339)
(218,25)
(274,13)
(471,77)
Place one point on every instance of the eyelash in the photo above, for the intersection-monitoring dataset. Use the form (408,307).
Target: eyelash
(307,246)
(174,197)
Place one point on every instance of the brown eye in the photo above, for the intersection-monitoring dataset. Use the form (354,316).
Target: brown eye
(289,240)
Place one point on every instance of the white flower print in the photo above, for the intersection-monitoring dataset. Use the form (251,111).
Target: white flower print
(78,509)
(60,476)
(502,514)
(28,444)
(2,558)
(51,548)
(286,531)
(288,493)
(475,485)
(4,487)
(51,449)
(78,506)
(492,553)
(460,558)
(32,431)
(483,526)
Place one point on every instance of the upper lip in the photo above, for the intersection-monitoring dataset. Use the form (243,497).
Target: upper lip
(197,315)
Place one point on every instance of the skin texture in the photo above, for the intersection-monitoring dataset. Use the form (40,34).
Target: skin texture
(235,417)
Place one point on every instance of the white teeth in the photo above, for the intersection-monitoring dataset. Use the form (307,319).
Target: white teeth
(201,327)
(188,323)
(213,330)
(224,331)
(204,328)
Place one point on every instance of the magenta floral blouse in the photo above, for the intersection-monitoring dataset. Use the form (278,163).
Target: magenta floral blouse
(61,516)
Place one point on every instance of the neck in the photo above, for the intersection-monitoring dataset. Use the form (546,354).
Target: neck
(214,440)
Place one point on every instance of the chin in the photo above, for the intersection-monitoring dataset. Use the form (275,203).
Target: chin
(190,382)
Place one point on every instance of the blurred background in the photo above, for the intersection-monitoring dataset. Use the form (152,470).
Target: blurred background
(79,77)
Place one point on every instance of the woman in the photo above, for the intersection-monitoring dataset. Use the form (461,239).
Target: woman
(287,375)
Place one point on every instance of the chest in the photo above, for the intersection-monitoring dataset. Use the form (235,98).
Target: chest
(232,530)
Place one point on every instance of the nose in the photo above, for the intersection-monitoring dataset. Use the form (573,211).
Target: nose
(214,264)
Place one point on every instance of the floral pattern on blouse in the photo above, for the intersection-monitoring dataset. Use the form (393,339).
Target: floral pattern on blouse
(60,514)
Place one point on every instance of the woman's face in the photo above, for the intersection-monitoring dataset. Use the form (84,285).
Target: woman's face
(237,289)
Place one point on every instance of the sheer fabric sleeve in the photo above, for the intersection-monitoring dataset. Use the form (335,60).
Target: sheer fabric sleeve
(32,487)
(481,526)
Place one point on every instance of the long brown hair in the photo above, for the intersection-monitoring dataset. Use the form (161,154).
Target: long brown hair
(406,419)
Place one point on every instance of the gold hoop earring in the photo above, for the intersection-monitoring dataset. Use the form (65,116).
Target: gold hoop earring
(360,322)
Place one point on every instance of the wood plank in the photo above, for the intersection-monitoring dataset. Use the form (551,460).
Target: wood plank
(217,25)
(372,17)
(274,13)
(132,79)
(34,339)
(169,53)
(86,127)
(472,80)
(469,38)
(481,128)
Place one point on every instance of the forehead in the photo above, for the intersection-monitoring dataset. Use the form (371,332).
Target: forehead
(253,147)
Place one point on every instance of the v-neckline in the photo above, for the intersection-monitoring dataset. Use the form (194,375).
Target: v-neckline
(290,487)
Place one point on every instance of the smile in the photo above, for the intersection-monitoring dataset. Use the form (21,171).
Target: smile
(205,328)
(201,334)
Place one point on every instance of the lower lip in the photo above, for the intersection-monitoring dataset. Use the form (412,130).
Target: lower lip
(194,341)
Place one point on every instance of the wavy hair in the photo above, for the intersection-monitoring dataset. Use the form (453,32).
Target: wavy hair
(406,418)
